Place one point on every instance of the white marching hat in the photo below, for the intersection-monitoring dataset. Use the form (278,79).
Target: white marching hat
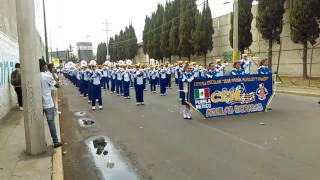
(129,62)
(108,63)
(83,63)
(121,62)
(92,63)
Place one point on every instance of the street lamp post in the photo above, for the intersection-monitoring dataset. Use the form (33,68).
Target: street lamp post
(45,31)
(235,53)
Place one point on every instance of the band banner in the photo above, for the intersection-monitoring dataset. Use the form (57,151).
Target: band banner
(227,95)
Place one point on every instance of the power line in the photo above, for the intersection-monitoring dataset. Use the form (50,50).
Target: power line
(150,31)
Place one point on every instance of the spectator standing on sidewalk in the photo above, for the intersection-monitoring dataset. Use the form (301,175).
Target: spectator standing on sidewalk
(54,92)
(16,83)
(47,84)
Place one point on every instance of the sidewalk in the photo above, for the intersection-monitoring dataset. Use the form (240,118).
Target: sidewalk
(15,164)
(315,92)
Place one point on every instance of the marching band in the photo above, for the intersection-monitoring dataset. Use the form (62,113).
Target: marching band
(90,78)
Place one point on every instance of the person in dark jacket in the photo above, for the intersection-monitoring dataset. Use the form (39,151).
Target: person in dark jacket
(16,83)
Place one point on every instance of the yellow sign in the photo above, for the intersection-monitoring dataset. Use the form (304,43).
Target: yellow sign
(56,62)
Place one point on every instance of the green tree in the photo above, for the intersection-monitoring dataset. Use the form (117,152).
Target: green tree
(111,49)
(164,46)
(156,34)
(245,20)
(208,31)
(304,27)
(188,12)
(101,53)
(132,43)
(117,47)
(146,39)
(174,30)
(270,22)
(198,35)
(149,35)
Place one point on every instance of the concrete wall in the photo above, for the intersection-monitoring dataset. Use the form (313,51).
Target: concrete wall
(141,57)
(291,54)
(9,53)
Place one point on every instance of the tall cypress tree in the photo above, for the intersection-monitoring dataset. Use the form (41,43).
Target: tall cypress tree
(132,41)
(166,31)
(208,31)
(304,27)
(188,13)
(270,22)
(150,37)
(198,34)
(158,19)
(146,35)
(111,48)
(174,30)
(101,53)
(245,20)
(117,47)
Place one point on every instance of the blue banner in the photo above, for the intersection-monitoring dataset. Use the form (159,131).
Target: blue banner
(227,95)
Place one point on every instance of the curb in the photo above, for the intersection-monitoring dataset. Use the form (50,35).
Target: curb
(298,93)
(57,165)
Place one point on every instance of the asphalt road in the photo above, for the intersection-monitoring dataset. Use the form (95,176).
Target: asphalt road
(164,146)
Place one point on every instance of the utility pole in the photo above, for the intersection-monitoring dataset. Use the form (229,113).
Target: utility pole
(87,53)
(30,78)
(235,30)
(107,36)
(45,31)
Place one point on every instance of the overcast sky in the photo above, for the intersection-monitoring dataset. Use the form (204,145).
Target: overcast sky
(71,21)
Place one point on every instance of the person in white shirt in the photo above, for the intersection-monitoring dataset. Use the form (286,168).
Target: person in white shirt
(47,84)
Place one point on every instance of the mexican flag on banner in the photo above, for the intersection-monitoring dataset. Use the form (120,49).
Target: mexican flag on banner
(202,93)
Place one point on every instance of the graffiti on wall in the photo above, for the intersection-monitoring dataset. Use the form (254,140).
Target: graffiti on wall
(9,55)
(6,67)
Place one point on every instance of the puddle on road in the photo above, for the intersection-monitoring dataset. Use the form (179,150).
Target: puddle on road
(112,165)
(80,113)
(86,122)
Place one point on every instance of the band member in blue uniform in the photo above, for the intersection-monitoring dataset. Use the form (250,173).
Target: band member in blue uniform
(180,72)
(90,90)
(96,88)
(211,71)
(220,68)
(263,69)
(86,78)
(163,80)
(126,83)
(113,80)
(119,74)
(145,74)
(246,64)
(169,72)
(187,79)
(139,85)
(153,79)
(105,78)
(237,70)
